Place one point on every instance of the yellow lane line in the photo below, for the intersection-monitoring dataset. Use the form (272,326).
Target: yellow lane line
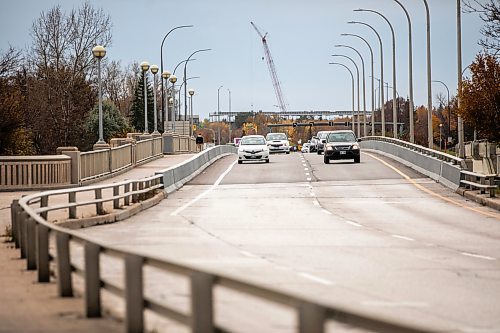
(413,182)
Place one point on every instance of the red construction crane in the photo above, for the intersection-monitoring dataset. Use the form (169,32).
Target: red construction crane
(272,71)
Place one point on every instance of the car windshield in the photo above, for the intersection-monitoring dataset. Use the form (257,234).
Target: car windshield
(323,135)
(252,141)
(341,137)
(276,136)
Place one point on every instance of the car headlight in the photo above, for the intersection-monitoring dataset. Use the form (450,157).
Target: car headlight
(329,148)
(355,147)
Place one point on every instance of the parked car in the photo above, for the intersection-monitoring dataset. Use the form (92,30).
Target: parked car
(342,145)
(253,148)
(322,135)
(305,148)
(278,143)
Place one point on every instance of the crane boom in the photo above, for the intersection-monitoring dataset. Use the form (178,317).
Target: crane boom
(272,71)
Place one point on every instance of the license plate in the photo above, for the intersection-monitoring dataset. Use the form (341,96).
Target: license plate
(342,153)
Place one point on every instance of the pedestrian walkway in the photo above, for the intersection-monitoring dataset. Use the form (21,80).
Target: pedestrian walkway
(28,306)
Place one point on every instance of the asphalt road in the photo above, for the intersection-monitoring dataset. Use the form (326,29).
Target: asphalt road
(375,237)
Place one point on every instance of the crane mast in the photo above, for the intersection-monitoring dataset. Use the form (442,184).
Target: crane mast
(272,71)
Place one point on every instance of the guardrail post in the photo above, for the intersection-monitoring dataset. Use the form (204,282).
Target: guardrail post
(31,245)
(134,301)
(99,206)
(311,318)
(14,208)
(116,192)
(44,202)
(64,283)
(134,196)
(23,232)
(141,187)
(201,302)
(43,253)
(126,198)
(92,280)
(72,210)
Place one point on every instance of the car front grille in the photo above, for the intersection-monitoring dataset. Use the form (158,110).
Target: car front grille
(342,147)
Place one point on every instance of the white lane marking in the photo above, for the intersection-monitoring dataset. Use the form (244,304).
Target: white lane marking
(201,195)
(316,279)
(312,194)
(326,212)
(354,224)
(308,179)
(248,254)
(308,174)
(316,203)
(387,304)
(304,164)
(477,256)
(306,169)
(403,237)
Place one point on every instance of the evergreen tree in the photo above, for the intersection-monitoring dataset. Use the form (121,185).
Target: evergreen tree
(137,109)
(114,124)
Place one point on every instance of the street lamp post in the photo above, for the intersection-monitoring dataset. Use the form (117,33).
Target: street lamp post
(145,68)
(229,115)
(382,111)
(394,109)
(460,124)
(352,84)
(154,70)
(440,130)
(218,115)
(447,105)
(163,111)
(191,93)
(373,93)
(99,52)
(364,90)
(172,80)
(165,75)
(185,77)
(410,74)
(357,75)
(429,76)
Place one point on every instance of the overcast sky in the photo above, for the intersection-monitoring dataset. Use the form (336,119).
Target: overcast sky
(301,36)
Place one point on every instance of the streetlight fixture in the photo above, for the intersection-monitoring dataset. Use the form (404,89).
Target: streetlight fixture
(145,67)
(440,130)
(154,70)
(172,80)
(99,52)
(357,79)
(382,111)
(410,74)
(373,93)
(165,75)
(185,77)
(364,90)
(218,114)
(394,109)
(352,84)
(163,111)
(191,93)
(447,106)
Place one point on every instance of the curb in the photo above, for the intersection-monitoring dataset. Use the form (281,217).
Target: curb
(115,216)
(479,198)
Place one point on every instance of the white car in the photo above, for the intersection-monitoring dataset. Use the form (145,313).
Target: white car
(253,148)
(306,148)
(278,143)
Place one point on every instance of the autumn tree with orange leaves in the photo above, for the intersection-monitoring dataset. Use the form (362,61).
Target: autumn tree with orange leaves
(480,97)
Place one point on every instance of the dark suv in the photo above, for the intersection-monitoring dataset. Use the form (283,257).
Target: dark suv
(342,145)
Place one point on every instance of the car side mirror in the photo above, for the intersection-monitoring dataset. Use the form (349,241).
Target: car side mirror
(359,140)
(323,141)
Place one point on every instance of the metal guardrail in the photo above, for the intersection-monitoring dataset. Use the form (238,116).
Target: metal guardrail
(431,152)
(32,234)
(477,180)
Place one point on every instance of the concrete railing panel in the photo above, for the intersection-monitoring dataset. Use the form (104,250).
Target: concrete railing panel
(94,164)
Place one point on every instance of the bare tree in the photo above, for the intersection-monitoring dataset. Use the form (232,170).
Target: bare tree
(10,61)
(489,12)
